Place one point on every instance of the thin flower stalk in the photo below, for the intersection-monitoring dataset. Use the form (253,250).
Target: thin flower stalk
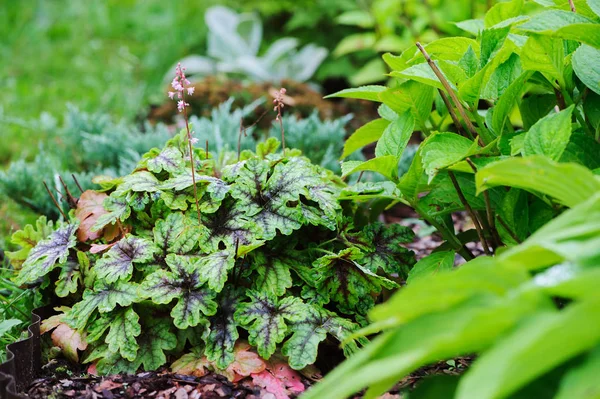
(181,86)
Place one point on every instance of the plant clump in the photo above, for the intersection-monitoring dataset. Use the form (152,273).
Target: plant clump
(275,259)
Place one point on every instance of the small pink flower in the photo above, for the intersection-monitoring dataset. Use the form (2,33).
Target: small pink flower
(171,94)
(190,90)
(181,105)
(193,140)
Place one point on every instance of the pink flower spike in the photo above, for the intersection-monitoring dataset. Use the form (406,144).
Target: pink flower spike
(171,94)
(190,90)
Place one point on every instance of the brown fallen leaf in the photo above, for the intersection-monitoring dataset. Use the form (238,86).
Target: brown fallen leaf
(89,209)
(107,385)
(63,336)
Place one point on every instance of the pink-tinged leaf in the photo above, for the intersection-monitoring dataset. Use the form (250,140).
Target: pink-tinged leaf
(283,372)
(271,384)
(246,362)
(69,341)
(50,323)
(97,248)
(192,364)
(92,369)
(89,209)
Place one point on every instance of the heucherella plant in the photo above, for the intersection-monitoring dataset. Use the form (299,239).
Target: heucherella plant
(275,260)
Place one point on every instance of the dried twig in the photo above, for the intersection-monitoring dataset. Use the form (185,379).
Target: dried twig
(55,202)
(572,5)
(453,115)
(77,183)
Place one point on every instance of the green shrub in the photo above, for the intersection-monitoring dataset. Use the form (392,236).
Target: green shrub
(530,313)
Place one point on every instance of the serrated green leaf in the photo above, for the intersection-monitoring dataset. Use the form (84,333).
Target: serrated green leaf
(414,96)
(545,55)
(49,253)
(170,160)
(370,93)
(124,328)
(28,238)
(142,181)
(501,78)
(347,282)
(469,62)
(156,338)
(214,268)
(69,278)
(273,271)
(409,183)
(264,316)
(492,40)
(506,102)
(177,233)
(502,11)
(103,297)
(301,348)
(117,263)
(550,135)
(366,134)
(223,329)
(437,262)
(184,283)
(569,183)
(445,149)
(585,64)
(554,242)
(564,25)
(383,248)
(395,136)
(582,149)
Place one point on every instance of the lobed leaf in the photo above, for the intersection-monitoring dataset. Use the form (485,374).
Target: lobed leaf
(117,263)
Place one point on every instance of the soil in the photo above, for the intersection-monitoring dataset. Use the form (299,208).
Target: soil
(164,385)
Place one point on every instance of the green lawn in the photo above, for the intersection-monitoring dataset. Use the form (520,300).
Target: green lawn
(105,55)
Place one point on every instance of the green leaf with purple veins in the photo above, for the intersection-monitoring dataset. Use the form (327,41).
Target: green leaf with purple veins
(214,268)
(49,253)
(181,282)
(301,348)
(124,328)
(117,263)
(384,248)
(104,298)
(347,282)
(265,319)
(177,233)
(223,329)
(170,160)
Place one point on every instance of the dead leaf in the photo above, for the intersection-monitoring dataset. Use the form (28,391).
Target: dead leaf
(89,209)
(192,364)
(290,377)
(246,362)
(108,385)
(69,341)
(97,248)
(271,384)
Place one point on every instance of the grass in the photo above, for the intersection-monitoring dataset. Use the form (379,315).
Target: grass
(106,55)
